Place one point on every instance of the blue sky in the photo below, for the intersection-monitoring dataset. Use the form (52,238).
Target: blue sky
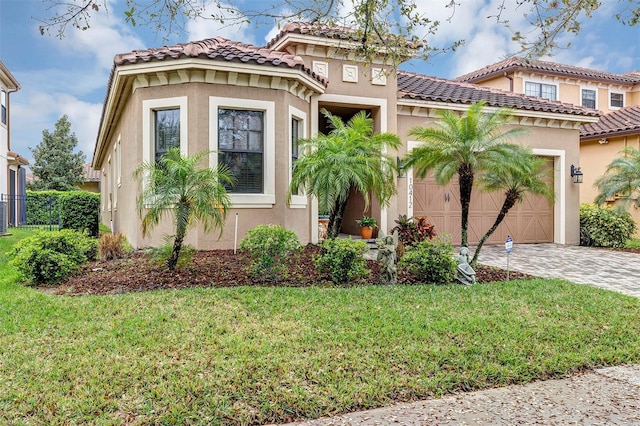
(69,76)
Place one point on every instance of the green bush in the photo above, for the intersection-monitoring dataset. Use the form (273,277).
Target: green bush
(50,256)
(430,261)
(43,207)
(343,259)
(80,211)
(605,227)
(269,247)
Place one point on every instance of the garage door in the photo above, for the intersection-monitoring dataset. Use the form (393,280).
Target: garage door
(528,222)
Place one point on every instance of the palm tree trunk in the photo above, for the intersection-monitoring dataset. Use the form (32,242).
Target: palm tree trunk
(335,220)
(182,219)
(465,173)
(509,202)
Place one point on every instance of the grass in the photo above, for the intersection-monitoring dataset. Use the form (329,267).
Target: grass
(258,355)
(633,243)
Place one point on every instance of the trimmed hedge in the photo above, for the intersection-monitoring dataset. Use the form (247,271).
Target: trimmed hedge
(78,210)
(43,207)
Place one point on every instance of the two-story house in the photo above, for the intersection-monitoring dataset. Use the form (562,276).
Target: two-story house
(12,165)
(617,96)
(250,104)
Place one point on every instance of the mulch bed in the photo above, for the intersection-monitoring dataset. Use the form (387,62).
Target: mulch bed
(216,268)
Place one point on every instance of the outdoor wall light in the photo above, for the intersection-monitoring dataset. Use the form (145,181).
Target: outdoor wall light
(402,171)
(576,174)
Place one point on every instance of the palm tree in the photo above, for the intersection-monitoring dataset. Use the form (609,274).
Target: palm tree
(524,173)
(462,145)
(350,156)
(177,185)
(621,179)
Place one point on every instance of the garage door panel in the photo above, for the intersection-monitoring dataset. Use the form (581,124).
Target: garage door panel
(528,222)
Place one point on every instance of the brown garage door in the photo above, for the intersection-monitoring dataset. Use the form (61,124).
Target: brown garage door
(528,222)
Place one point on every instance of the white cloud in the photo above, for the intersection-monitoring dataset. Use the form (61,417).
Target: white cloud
(42,110)
(200,29)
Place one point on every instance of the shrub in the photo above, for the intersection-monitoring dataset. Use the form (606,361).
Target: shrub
(158,256)
(604,226)
(268,247)
(80,210)
(411,231)
(50,256)
(431,261)
(43,207)
(343,259)
(112,246)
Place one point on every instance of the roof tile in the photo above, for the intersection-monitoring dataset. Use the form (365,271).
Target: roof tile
(416,86)
(623,121)
(217,48)
(516,63)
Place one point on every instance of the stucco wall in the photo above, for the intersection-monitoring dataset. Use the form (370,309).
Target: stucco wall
(594,159)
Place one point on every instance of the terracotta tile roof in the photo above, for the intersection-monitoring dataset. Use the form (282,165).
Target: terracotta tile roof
(544,67)
(416,86)
(90,174)
(335,32)
(621,122)
(318,30)
(217,48)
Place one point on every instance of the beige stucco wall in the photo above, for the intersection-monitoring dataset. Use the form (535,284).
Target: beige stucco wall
(129,129)
(594,159)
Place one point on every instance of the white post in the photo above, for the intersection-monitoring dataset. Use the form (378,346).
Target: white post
(235,238)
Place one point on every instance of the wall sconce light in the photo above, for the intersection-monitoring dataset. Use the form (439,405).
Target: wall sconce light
(402,172)
(576,174)
(603,141)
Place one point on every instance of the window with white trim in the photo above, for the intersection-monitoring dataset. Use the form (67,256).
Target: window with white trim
(240,148)
(589,98)
(119,160)
(616,100)
(242,134)
(297,131)
(3,103)
(541,90)
(164,125)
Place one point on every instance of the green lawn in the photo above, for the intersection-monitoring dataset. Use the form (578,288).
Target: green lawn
(633,243)
(259,355)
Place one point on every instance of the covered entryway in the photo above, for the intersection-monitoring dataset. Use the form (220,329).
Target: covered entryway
(528,222)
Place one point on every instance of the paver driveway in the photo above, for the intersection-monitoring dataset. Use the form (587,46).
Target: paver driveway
(609,269)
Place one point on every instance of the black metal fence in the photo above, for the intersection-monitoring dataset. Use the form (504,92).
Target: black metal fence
(23,211)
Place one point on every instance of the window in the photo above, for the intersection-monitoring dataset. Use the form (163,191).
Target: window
(589,98)
(240,147)
(163,126)
(617,100)
(119,160)
(541,90)
(3,102)
(297,131)
(166,131)
(242,135)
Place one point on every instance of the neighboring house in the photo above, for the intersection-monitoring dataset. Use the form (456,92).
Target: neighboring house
(601,142)
(91,179)
(12,165)
(616,95)
(250,104)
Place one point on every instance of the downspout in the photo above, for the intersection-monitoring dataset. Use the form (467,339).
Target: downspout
(510,81)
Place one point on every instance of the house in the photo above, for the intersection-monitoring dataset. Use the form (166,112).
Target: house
(91,177)
(12,165)
(249,104)
(617,96)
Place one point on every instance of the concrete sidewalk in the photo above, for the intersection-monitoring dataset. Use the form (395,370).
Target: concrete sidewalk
(607,396)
